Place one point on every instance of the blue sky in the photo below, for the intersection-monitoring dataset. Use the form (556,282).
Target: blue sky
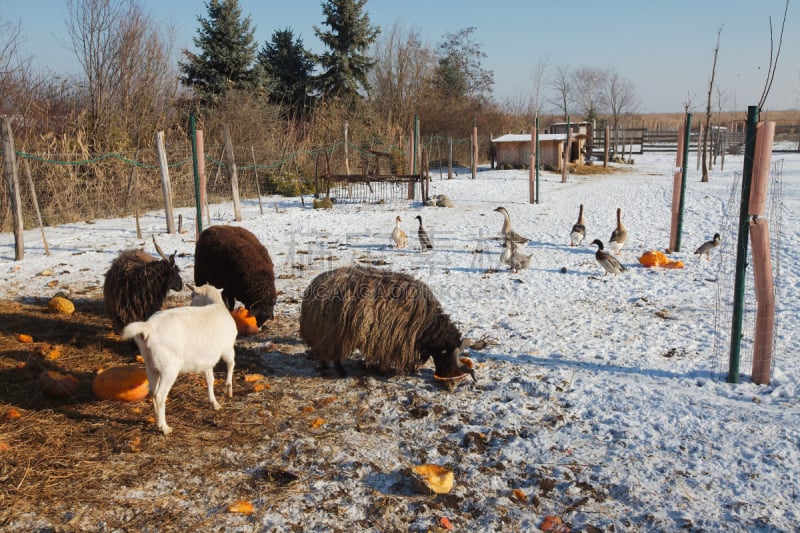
(664,48)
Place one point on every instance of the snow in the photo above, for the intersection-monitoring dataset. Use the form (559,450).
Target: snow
(612,386)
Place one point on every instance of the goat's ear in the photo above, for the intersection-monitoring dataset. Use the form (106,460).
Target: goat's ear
(172,257)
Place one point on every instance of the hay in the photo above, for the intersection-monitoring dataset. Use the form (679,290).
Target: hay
(68,462)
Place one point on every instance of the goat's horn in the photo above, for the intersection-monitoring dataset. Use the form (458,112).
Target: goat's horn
(159,250)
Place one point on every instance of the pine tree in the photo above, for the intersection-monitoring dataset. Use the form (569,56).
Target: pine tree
(227,51)
(287,67)
(346,65)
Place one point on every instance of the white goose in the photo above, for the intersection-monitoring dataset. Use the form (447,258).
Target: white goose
(619,236)
(398,235)
(578,232)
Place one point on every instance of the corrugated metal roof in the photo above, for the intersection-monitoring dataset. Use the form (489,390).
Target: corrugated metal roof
(526,137)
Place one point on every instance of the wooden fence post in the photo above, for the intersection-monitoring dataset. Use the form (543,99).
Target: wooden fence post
(230,163)
(166,188)
(474,151)
(258,185)
(35,200)
(11,174)
(532,167)
(606,142)
(449,157)
(201,172)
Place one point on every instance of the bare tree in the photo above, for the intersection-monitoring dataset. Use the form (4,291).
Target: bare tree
(403,69)
(620,96)
(14,70)
(125,61)
(704,140)
(588,84)
(561,84)
(538,77)
(773,57)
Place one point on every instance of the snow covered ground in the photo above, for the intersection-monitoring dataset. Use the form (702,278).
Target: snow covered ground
(612,387)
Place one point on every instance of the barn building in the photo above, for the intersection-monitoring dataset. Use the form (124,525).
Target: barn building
(515,149)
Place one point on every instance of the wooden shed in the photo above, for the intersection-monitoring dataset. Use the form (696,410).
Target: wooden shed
(515,149)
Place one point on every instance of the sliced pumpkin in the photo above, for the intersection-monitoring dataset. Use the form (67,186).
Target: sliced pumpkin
(437,478)
(122,383)
(655,258)
(245,322)
(58,385)
(241,506)
(24,338)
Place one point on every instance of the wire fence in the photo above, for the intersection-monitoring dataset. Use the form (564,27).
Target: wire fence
(70,187)
(725,276)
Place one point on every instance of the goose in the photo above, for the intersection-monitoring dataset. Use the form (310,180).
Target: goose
(706,247)
(398,235)
(511,257)
(606,260)
(619,236)
(507,232)
(578,232)
(424,240)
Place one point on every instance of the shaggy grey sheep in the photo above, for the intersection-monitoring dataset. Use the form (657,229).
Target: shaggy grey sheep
(234,260)
(136,285)
(393,319)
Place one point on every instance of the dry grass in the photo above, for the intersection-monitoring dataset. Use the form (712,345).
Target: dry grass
(65,460)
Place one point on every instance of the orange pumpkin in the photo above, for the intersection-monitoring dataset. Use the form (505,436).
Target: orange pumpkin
(123,383)
(58,385)
(245,322)
(654,258)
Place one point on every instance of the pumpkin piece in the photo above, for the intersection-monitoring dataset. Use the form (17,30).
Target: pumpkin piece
(245,323)
(653,258)
(317,423)
(12,414)
(249,378)
(519,495)
(25,338)
(241,506)
(258,387)
(58,385)
(674,264)
(59,304)
(553,524)
(445,523)
(4,446)
(436,478)
(122,383)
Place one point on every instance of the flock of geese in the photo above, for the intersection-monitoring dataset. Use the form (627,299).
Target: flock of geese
(516,260)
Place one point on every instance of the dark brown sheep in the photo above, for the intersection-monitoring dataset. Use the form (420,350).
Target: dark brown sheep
(233,259)
(393,319)
(136,285)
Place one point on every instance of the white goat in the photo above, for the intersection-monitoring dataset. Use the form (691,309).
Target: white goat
(185,339)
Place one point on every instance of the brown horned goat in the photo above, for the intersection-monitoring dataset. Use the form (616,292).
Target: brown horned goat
(234,260)
(393,319)
(136,285)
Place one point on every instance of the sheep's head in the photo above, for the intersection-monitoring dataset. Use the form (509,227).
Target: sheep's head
(174,280)
(263,310)
(449,365)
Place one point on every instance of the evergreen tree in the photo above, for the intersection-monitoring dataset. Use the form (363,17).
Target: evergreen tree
(346,65)
(227,51)
(287,68)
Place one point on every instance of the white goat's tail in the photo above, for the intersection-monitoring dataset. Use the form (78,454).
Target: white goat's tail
(135,328)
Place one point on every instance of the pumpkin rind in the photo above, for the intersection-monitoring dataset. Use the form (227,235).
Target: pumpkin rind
(245,322)
(121,383)
(58,385)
